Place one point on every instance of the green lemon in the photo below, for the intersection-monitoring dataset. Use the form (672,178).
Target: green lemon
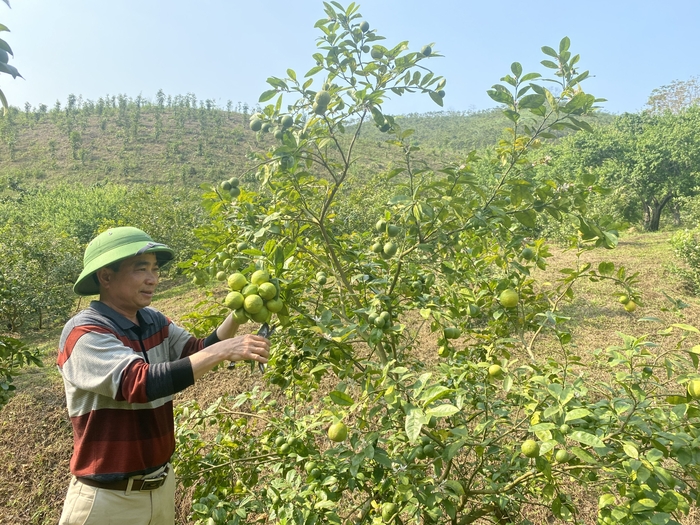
(322,98)
(253,304)
(388,511)
(380,226)
(239,316)
(528,254)
(256,124)
(562,456)
(426,51)
(287,121)
(392,230)
(390,249)
(452,332)
(250,289)
(530,448)
(267,291)
(495,371)
(237,281)
(631,306)
(338,432)
(694,388)
(274,305)
(220,276)
(259,277)
(261,316)
(364,26)
(509,298)
(376,53)
(234,300)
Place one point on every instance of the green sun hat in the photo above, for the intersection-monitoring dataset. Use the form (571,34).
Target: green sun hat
(114,245)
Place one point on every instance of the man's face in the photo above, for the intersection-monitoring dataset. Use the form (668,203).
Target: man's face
(133,286)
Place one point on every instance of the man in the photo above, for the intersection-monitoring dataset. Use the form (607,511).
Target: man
(121,362)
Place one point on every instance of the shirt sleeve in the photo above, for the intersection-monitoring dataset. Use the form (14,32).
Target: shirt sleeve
(96,362)
(182,343)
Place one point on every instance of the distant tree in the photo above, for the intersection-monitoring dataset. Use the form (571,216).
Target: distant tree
(14,355)
(675,97)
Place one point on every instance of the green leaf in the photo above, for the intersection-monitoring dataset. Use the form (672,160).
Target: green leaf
(583,455)
(531,101)
(564,44)
(587,439)
(313,71)
(606,268)
(442,410)
(631,450)
(455,486)
(686,327)
(549,51)
(341,398)
(605,500)
(527,218)
(3,27)
(267,95)
(4,101)
(549,64)
(577,413)
(530,76)
(516,68)
(500,96)
(292,74)
(4,45)
(415,418)
(541,427)
(436,98)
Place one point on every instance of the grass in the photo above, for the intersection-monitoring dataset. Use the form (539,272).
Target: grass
(37,439)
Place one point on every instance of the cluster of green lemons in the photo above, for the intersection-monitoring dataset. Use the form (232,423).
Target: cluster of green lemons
(383,247)
(230,187)
(282,124)
(256,300)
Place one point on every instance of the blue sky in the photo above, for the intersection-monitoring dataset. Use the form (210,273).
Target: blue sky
(225,49)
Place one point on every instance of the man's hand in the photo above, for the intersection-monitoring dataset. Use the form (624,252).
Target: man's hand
(247,347)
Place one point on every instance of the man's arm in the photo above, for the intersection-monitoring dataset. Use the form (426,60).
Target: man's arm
(247,347)
(229,348)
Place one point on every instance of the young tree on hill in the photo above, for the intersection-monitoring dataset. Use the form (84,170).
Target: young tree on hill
(675,97)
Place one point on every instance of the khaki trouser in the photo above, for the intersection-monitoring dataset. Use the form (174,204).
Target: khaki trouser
(87,505)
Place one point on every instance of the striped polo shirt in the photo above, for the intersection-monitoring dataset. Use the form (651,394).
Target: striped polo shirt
(119,379)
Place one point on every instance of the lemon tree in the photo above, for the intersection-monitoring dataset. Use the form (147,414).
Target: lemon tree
(478,434)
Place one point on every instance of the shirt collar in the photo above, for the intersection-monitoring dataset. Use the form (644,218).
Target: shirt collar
(122,322)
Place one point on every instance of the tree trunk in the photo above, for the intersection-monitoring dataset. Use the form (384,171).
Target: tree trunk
(652,212)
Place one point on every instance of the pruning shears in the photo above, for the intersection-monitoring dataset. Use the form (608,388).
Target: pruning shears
(265,331)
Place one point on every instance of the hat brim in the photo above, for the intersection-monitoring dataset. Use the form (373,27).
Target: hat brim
(86,285)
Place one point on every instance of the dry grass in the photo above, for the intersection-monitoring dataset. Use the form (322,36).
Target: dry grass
(35,434)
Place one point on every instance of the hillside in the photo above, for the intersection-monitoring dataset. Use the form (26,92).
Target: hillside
(182,141)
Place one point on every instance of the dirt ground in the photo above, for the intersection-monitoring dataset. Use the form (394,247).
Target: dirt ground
(36,437)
